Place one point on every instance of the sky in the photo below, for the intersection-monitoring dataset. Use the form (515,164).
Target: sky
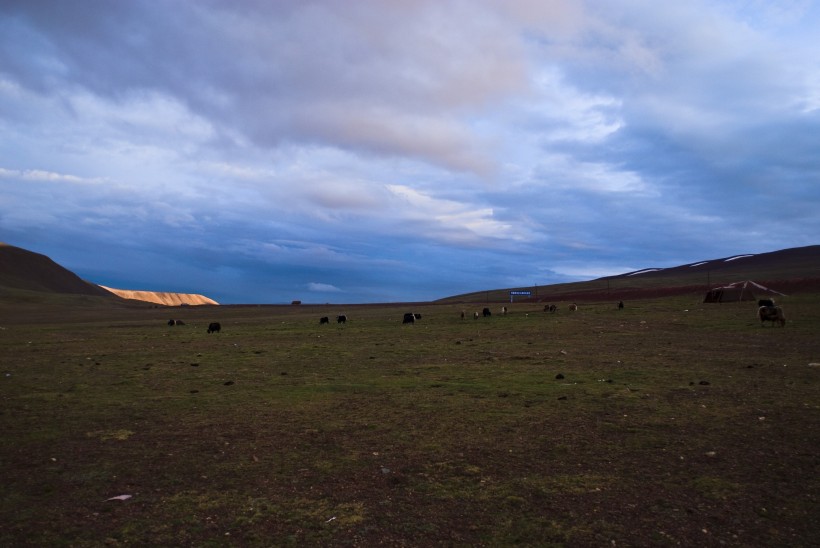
(264,151)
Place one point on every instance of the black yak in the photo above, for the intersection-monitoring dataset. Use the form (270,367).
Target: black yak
(772,314)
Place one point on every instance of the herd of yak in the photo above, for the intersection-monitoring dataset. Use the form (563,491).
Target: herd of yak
(767,312)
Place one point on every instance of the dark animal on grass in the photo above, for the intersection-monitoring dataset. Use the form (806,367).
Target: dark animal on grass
(765,302)
(341,318)
(620,305)
(573,307)
(486,312)
(324,320)
(550,308)
(463,314)
(417,316)
(409,318)
(172,322)
(214,327)
(772,314)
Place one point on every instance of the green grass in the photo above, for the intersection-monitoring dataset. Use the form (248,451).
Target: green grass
(672,417)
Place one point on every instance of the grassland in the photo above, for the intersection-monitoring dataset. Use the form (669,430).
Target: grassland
(670,422)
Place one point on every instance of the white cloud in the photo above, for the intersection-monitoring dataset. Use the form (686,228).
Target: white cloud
(149,115)
(566,172)
(38,175)
(323,288)
(570,114)
(451,221)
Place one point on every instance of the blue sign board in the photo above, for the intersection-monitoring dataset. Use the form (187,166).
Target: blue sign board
(520,293)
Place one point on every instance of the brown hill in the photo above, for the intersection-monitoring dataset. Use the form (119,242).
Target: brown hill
(160,297)
(23,269)
(787,270)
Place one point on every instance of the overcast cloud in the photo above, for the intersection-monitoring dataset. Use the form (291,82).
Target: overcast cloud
(266,151)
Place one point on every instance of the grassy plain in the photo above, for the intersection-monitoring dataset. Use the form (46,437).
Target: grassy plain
(670,422)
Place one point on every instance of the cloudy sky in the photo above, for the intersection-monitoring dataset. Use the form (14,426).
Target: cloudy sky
(373,150)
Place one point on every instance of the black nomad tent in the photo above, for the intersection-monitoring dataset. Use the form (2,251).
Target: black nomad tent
(738,291)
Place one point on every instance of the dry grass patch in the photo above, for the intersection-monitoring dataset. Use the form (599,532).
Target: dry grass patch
(642,426)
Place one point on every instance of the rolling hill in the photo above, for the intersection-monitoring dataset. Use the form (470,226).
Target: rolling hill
(23,271)
(26,270)
(787,270)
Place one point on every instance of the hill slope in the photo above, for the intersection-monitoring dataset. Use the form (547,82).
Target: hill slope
(161,297)
(23,269)
(32,272)
(786,270)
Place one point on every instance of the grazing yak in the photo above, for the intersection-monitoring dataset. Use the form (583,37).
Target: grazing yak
(503,310)
(772,314)
(550,308)
(324,320)
(463,314)
(573,307)
(214,327)
(417,316)
(475,315)
(486,312)
(765,302)
(409,318)
(176,322)
(620,305)
(341,318)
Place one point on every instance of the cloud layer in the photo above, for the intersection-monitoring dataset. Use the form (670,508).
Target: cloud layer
(387,151)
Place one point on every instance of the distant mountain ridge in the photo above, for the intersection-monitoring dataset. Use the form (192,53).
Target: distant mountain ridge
(30,271)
